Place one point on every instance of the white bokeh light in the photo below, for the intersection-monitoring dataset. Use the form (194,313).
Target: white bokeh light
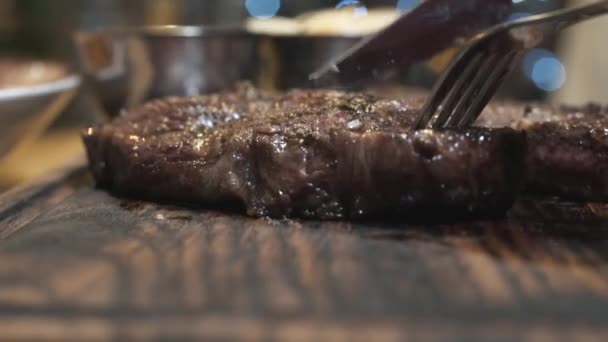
(360,12)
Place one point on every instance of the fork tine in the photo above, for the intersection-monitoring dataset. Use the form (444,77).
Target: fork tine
(473,89)
(442,88)
(488,89)
(452,97)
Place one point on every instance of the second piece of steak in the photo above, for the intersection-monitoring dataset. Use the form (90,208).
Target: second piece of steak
(567,147)
(313,154)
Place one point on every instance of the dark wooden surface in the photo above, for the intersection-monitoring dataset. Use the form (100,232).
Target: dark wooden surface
(79,264)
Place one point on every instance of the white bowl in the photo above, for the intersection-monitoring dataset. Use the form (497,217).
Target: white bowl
(28,108)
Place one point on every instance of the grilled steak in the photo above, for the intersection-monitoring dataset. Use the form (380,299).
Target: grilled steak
(313,154)
(567,147)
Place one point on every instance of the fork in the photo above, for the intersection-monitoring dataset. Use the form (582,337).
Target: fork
(474,76)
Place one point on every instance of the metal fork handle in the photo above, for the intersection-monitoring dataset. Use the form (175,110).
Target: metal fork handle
(566,17)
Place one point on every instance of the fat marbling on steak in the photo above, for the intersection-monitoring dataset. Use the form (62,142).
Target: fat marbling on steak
(306,153)
(567,147)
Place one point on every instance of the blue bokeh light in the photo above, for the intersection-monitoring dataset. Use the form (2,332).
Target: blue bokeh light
(548,73)
(263,8)
(544,69)
(406,5)
(345,3)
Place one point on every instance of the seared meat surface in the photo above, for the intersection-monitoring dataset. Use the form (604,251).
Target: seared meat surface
(567,147)
(306,153)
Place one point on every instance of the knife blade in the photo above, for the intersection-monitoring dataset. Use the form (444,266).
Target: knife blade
(428,29)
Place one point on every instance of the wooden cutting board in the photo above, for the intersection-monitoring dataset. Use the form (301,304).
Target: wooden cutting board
(79,264)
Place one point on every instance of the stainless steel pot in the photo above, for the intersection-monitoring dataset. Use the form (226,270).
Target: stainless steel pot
(128,66)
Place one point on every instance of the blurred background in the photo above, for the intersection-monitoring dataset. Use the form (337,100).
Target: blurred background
(570,68)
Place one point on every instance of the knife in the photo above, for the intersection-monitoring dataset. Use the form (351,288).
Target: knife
(428,29)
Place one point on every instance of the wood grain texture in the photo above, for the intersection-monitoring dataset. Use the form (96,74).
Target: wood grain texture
(77,263)
(23,204)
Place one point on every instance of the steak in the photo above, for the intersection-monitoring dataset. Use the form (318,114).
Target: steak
(306,153)
(567,147)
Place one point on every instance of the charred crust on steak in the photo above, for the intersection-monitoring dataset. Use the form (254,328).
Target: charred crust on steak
(306,153)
